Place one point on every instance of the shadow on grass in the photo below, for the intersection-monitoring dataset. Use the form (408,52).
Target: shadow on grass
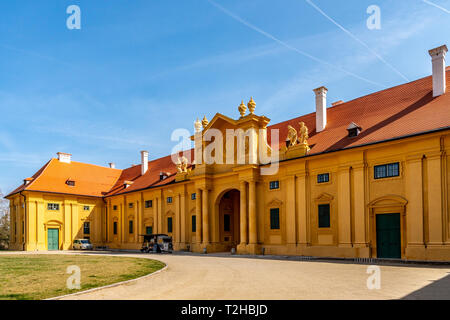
(14,297)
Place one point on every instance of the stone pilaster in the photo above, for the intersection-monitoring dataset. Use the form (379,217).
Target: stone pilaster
(205,216)
(291,223)
(302,214)
(435,212)
(414,208)
(252,226)
(198,209)
(344,207)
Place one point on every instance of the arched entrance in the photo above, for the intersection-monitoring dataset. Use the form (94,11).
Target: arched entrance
(229,220)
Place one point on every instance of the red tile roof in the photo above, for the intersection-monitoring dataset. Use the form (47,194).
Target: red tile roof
(392,113)
(150,179)
(23,186)
(397,112)
(90,180)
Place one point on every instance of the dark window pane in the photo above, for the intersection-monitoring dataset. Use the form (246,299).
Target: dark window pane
(275,219)
(130,226)
(324,216)
(380,172)
(194,223)
(393,170)
(86,228)
(53,206)
(169,225)
(115,227)
(397,169)
(273,185)
(226,222)
(322,178)
(387,170)
(149,230)
(193,196)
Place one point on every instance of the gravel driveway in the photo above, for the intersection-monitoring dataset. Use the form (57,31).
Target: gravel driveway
(212,277)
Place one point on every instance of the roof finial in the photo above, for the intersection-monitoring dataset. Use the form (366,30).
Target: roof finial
(251,105)
(197,126)
(204,122)
(242,109)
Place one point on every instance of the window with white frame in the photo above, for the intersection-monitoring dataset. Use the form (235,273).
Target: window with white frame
(323,178)
(273,185)
(53,206)
(387,170)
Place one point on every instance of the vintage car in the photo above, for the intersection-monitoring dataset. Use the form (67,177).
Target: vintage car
(82,244)
(157,243)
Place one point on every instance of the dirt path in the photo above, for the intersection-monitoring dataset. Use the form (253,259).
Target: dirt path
(206,277)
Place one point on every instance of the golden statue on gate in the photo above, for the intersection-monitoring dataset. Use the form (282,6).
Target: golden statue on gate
(292,136)
(182,164)
(296,143)
(304,134)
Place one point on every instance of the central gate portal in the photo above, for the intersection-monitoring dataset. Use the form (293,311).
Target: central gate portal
(229,220)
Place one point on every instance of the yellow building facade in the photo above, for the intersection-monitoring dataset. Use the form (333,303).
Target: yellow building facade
(31,219)
(378,188)
(419,195)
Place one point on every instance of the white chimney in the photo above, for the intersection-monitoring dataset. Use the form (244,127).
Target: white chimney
(144,162)
(439,78)
(64,157)
(321,108)
(112,165)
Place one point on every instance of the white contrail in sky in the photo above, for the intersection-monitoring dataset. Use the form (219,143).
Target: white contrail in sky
(31,53)
(357,39)
(435,5)
(288,46)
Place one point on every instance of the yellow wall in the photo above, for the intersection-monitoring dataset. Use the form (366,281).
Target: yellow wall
(68,219)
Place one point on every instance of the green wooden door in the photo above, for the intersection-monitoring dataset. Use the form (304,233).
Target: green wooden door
(389,236)
(53,239)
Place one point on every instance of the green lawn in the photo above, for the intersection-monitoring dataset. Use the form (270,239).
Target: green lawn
(25,277)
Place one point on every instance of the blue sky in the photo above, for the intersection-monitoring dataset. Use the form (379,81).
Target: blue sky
(139,69)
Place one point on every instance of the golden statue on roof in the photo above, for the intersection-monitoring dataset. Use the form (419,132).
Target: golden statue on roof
(304,134)
(292,136)
(183,171)
(182,164)
(296,143)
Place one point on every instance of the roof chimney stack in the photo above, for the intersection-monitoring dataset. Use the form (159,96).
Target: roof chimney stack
(112,165)
(321,108)
(64,157)
(439,78)
(144,162)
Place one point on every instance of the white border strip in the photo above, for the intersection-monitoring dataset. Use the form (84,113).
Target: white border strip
(110,285)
